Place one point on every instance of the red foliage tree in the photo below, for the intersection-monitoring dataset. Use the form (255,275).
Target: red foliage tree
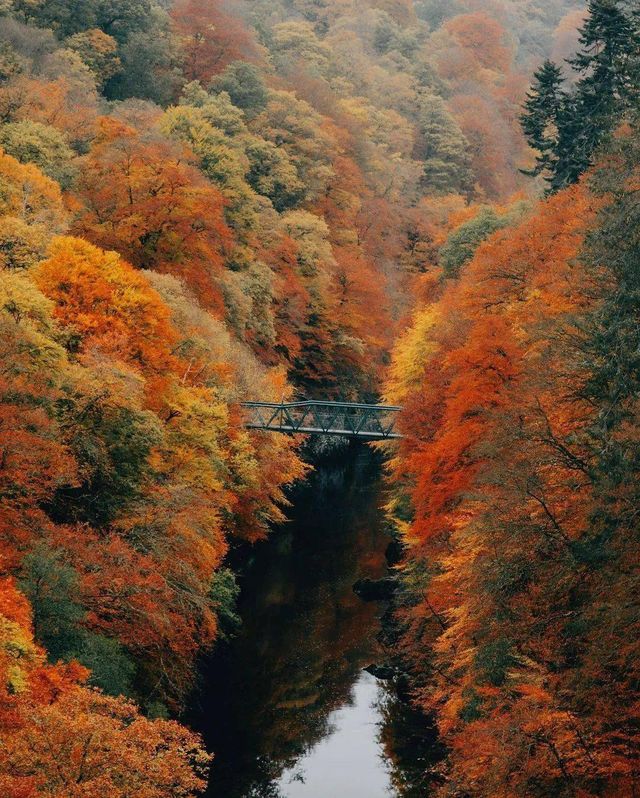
(210,38)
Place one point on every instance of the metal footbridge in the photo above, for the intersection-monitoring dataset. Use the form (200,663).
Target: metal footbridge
(348,419)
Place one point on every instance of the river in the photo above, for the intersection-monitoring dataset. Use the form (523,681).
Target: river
(287,705)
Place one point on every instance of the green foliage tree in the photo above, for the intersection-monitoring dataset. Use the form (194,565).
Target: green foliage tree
(112,668)
(224,594)
(295,44)
(245,86)
(613,346)
(608,41)
(435,11)
(607,90)
(52,587)
(10,63)
(219,160)
(121,18)
(112,444)
(149,59)
(64,17)
(118,18)
(461,245)
(293,126)
(42,145)
(217,108)
(443,149)
(272,173)
(59,621)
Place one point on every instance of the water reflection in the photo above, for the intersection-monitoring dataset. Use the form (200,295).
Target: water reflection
(288,701)
(350,760)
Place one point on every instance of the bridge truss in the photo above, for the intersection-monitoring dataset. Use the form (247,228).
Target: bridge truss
(348,419)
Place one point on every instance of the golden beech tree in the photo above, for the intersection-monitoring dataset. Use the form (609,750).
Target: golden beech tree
(108,304)
(29,195)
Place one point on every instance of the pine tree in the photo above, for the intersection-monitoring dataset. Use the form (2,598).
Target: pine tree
(634,66)
(605,93)
(539,121)
(574,145)
(608,40)
(567,129)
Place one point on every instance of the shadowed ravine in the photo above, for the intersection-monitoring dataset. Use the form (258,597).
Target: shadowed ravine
(287,706)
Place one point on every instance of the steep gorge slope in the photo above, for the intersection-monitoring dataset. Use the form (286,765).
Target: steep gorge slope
(515,488)
(202,203)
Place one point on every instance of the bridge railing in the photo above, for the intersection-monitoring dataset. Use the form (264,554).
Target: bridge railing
(313,417)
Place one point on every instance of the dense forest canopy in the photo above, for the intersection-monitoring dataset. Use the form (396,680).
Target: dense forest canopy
(207,202)
(515,489)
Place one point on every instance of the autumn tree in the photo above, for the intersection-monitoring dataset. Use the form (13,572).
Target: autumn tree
(58,735)
(143,198)
(210,38)
(42,145)
(99,51)
(29,195)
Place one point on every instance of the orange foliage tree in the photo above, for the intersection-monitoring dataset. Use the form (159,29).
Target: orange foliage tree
(210,38)
(142,197)
(60,738)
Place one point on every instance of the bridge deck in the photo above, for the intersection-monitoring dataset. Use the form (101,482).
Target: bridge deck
(348,419)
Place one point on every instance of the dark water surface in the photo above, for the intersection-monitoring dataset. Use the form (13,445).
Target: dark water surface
(287,706)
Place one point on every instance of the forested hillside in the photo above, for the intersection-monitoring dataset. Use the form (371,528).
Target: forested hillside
(203,203)
(516,488)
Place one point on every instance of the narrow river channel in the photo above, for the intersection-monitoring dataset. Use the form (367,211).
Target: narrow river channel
(292,712)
